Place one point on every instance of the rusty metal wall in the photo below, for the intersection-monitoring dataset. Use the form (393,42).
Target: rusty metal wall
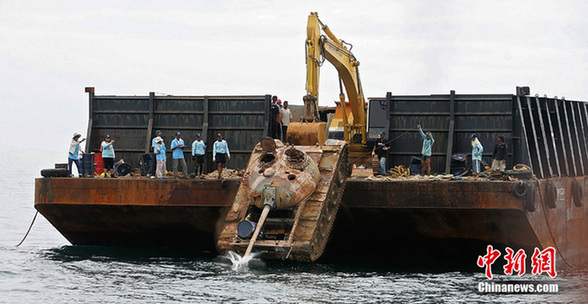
(451,118)
(131,121)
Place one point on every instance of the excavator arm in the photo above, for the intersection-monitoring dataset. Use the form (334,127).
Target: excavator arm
(321,47)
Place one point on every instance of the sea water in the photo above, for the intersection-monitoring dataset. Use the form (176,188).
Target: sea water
(46,268)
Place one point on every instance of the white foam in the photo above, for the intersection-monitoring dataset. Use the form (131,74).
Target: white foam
(240,262)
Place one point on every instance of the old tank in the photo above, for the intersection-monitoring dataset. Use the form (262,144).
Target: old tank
(287,201)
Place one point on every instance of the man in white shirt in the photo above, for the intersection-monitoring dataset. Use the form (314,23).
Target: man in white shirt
(286,115)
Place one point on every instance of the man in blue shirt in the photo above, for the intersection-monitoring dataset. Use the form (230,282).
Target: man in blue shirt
(198,149)
(74,153)
(477,150)
(108,156)
(220,153)
(153,141)
(159,150)
(178,155)
(428,142)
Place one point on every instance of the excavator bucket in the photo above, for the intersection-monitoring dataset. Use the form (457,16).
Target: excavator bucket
(306,133)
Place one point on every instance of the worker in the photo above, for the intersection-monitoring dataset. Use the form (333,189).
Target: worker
(286,117)
(178,155)
(107,150)
(153,142)
(198,148)
(274,114)
(74,154)
(428,142)
(279,103)
(220,153)
(499,155)
(159,150)
(380,149)
(477,150)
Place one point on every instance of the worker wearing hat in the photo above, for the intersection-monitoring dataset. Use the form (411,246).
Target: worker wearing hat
(74,153)
(153,141)
(159,150)
(107,150)
(198,149)
(178,155)
(220,153)
(477,150)
(380,149)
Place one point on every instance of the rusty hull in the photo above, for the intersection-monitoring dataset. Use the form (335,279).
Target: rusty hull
(135,212)
(380,219)
(458,219)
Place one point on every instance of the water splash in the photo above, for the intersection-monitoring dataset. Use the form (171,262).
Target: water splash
(240,262)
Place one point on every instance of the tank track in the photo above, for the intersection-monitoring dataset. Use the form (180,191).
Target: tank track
(312,219)
(319,212)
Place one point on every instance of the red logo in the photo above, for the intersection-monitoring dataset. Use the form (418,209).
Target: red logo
(516,262)
(544,261)
(541,261)
(488,260)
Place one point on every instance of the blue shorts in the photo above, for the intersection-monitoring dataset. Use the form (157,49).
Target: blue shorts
(476,166)
(426,157)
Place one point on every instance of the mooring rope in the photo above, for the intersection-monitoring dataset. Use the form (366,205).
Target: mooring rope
(31,226)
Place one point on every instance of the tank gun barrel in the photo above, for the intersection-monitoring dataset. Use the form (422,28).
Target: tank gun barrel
(262,217)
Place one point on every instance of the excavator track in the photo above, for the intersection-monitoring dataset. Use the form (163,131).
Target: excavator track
(299,233)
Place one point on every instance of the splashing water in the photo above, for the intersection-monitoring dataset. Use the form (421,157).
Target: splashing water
(240,262)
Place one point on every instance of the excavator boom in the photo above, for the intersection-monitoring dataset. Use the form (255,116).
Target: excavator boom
(321,47)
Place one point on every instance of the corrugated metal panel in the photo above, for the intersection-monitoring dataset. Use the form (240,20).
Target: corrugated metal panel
(549,134)
(131,121)
(451,119)
(556,138)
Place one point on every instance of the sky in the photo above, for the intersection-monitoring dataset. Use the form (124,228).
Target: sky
(51,50)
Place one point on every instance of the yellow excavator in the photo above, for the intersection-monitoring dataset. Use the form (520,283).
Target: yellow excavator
(321,45)
(288,198)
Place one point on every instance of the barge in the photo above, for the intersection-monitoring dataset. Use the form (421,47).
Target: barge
(387,219)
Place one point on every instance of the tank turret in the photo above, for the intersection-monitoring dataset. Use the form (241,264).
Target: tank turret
(281,177)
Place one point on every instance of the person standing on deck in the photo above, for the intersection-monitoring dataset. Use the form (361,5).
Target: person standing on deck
(428,142)
(279,103)
(153,142)
(274,115)
(286,116)
(159,150)
(198,148)
(477,150)
(380,149)
(499,155)
(178,155)
(74,154)
(220,153)
(108,155)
